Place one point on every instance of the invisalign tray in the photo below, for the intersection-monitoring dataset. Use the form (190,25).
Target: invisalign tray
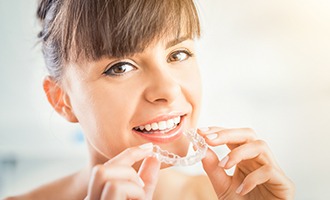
(198,143)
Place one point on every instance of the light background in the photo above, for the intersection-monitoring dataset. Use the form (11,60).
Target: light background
(265,65)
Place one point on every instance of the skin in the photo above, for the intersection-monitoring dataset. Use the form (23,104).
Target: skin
(109,107)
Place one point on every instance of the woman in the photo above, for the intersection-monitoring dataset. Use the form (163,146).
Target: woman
(126,71)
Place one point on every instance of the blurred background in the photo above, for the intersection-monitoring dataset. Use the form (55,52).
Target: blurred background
(265,65)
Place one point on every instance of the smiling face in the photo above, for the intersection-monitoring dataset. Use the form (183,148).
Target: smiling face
(124,69)
(150,96)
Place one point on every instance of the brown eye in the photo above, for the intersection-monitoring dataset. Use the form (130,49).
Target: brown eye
(179,56)
(119,69)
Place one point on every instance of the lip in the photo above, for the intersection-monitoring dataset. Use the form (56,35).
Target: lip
(170,136)
(163,118)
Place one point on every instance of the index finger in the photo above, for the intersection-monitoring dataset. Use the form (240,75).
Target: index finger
(132,155)
(232,137)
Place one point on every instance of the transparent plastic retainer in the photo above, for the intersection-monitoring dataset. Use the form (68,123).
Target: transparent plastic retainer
(198,143)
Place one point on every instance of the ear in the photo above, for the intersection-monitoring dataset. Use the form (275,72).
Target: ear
(59,99)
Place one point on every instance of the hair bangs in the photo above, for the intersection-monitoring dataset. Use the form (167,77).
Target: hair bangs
(119,28)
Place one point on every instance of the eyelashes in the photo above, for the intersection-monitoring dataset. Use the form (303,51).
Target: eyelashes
(179,55)
(124,67)
(119,69)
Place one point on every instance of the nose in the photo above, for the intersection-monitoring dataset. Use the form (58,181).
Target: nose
(163,88)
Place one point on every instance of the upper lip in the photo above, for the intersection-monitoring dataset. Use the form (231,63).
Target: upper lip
(162,117)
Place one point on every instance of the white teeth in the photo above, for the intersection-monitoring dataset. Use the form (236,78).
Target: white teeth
(147,127)
(177,120)
(162,125)
(154,126)
(170,123)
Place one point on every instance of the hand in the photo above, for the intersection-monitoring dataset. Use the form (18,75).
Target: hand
(116,179)
(257,175)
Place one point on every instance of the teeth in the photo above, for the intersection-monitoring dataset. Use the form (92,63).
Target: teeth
(162,125)
(147,127)
(170,123)
(154,126)
(177,120)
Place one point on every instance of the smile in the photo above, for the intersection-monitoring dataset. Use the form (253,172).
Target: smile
(163,130)
(159,127)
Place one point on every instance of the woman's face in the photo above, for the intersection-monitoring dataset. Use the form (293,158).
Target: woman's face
(151,96)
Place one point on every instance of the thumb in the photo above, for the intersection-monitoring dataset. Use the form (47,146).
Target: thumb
(149,174)
(217,175)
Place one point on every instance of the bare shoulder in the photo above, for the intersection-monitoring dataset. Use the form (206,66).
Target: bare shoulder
(63,188)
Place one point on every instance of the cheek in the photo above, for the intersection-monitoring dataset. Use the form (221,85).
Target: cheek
(196,91)
(104,114)
(192,89)
(194,84)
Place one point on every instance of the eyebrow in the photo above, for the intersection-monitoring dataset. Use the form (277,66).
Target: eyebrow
(176,41)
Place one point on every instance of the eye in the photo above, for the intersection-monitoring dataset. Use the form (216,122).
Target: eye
(119,69)
(179,56)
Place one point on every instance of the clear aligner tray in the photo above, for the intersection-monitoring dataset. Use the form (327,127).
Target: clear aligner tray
(198,143)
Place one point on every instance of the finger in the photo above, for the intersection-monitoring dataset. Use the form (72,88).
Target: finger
(257,150)
(217,175)
(209,130)
(118,190)
(101,174)
(149,174)
(132,155)
(232,137)
(265,174)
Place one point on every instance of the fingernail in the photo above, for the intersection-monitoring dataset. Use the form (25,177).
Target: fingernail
(141,182)
(239,189)
(212,136)
(224,161)
(146,146)
(204,129)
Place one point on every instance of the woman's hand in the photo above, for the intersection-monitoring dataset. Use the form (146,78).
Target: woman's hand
(116,179)
(257,175)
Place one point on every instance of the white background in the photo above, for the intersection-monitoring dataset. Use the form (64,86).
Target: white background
(265,65)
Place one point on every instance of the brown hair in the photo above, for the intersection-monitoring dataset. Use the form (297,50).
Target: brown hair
(91,29)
